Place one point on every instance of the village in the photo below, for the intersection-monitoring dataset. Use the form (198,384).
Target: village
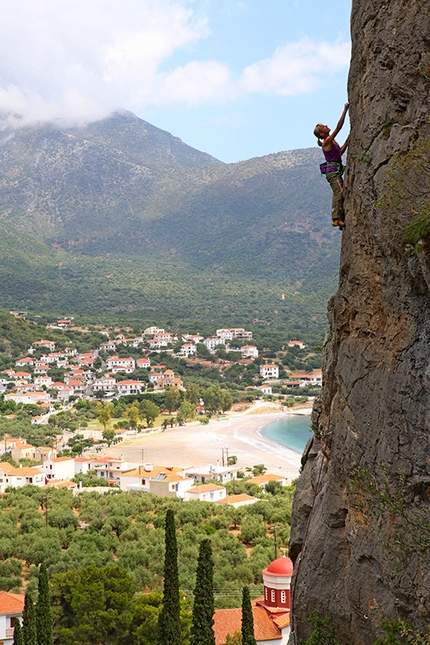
(102,375)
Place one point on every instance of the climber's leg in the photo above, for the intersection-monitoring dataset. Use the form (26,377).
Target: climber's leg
(337,213)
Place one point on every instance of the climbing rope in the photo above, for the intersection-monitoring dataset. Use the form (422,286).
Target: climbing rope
(324,457)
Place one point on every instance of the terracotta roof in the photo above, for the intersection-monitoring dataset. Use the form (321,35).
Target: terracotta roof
(6,467)
(205,488)
(233,499)
(260,479)
(229,621)
(60,483)
(282,621)
(11,603)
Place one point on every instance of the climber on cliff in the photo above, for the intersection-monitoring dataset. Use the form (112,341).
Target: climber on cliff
(332,168)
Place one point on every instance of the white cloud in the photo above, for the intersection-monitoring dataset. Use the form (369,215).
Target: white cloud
(81,59)
(296,68)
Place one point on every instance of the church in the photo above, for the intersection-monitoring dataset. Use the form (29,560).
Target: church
(271,612)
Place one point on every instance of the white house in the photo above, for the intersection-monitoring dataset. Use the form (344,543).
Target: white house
(192,338)
(82,465)
(168,481)
(249,351)
(220,473)
(45,343)
(234,332)
(205,493)
(11,609)
(116,364)
(105,384)
(212,343)
(28,398)
(17,477)
(59,468)
(129,387)
(143,362)
(269,370)
(111,468)
(187,349)
(296,343)
(264,389)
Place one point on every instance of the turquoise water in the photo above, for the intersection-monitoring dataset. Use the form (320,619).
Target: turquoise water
(292,432)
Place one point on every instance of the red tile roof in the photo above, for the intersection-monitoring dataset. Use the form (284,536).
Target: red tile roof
(229,621)
(11,603)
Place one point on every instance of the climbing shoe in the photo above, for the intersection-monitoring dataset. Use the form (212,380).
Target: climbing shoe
(338,222)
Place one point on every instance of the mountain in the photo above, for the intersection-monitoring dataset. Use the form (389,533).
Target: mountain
(121,190)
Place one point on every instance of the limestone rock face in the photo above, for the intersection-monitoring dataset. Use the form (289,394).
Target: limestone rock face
(361,518)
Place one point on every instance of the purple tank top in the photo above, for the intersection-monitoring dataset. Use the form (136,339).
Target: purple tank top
(333,154)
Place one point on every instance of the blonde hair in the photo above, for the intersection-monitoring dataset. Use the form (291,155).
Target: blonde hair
(317,133)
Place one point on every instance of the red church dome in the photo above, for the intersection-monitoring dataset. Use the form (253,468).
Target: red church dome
(280,567)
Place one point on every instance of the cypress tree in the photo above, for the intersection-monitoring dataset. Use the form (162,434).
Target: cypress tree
(43,610)
(169,627)
(248,637)
(201,630)
(29,622)
(18,638)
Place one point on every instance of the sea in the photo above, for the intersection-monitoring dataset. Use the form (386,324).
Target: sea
(292,432)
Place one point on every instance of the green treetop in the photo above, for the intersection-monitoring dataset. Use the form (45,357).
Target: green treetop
(169,627)
(29,622)
(201,630)
(248,637)
(18,638)
(43,610)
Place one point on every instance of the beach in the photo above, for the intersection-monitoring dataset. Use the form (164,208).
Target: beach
(237,433)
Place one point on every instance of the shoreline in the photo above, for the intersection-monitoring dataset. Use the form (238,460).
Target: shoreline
(239,434)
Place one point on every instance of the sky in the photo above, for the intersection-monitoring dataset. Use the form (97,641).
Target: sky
(234,78)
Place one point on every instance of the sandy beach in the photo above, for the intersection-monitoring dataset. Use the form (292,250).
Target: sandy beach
(197,445)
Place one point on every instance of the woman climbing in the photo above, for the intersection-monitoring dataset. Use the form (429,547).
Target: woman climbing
(332,168)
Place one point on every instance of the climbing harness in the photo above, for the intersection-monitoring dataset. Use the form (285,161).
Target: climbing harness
(331,166)
(324,447)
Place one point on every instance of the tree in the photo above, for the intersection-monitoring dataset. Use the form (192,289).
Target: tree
(186,411)
(108,435)
(172,398)
(93,605)
(132,414)
(104,410)
(43,610)
(18,638)
(148,607)
(217,399)
(29,622)
(148,411)
(169,628)
(248,637)
(193,394)
(201,630)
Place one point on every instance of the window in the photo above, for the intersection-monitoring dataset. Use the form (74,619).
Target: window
(272,595)
(283,597)
(266,593)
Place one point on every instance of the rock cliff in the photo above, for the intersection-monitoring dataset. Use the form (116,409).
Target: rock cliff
(361,518)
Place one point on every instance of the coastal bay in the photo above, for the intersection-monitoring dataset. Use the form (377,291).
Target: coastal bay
(243,434)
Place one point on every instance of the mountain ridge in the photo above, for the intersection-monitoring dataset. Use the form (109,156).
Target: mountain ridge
(122,189)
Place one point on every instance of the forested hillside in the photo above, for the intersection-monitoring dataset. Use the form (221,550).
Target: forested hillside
(123,215)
